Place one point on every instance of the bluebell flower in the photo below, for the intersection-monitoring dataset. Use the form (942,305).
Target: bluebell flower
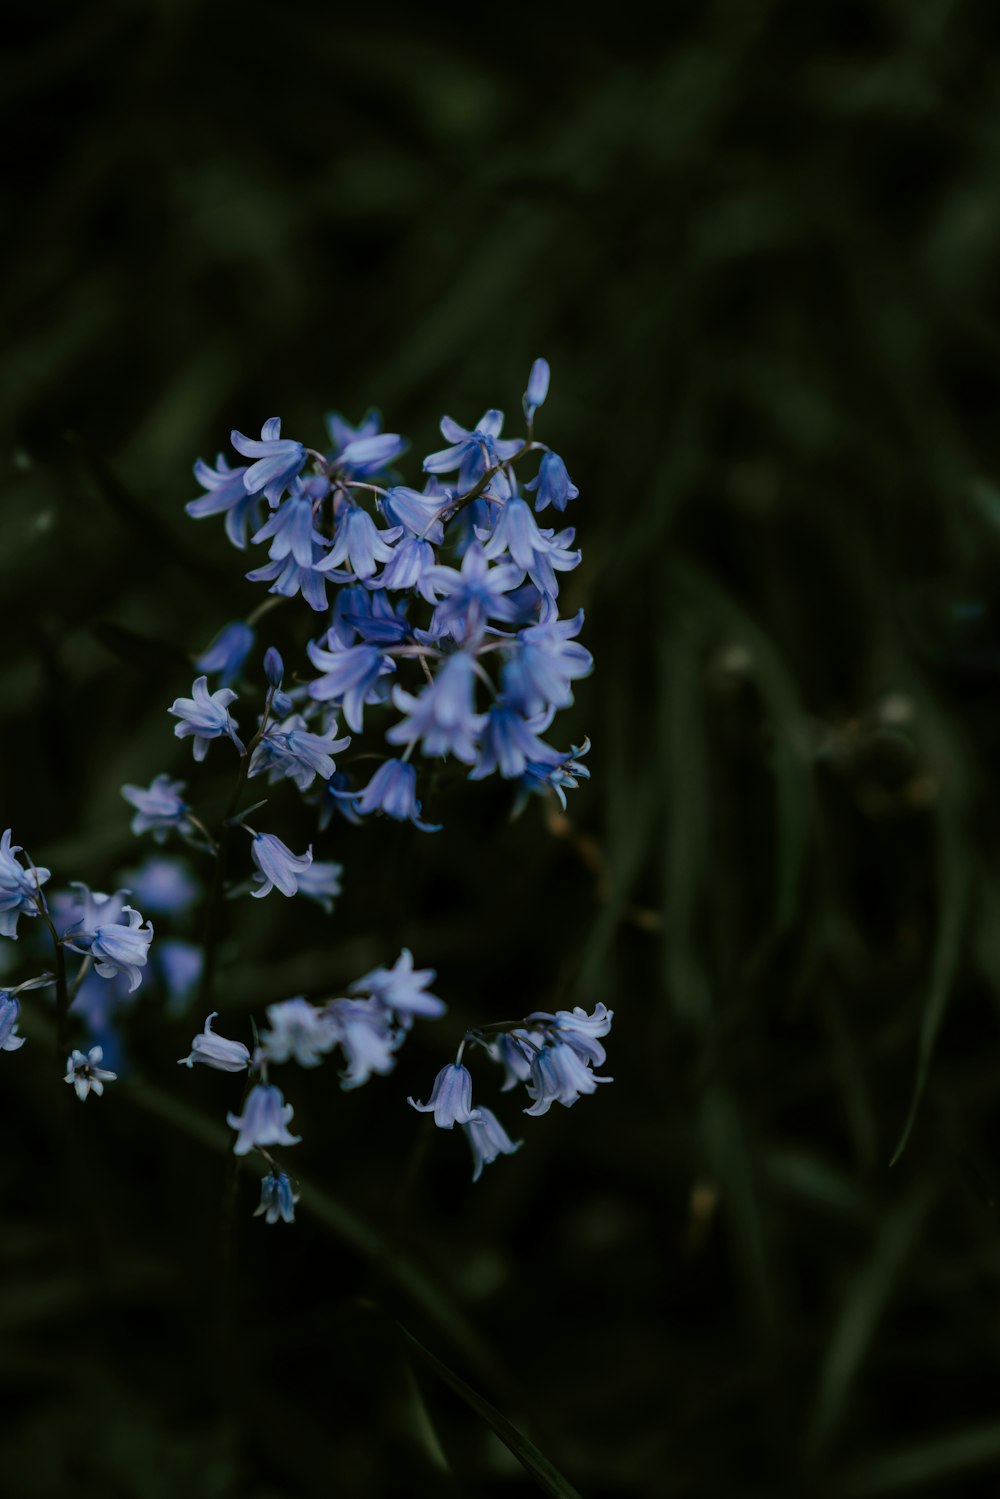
(336,799)
(112,934)
(509,742)
(560,778)
(577,1029)
(288,577)
(298,1032)
(559,1075)
(552,485)
(179,966)
(206,716)
(451,1098)
(543,660)
(159,809)
(351,676)
(367,1038)
(393,790)
(86,1074)
(358,542)
(277,1200)
(163,887)
(443,716)
(289,750)
(418,514)
(227,653)
(279,867)
(368,615)
(487,1139)
(538,389)
(514,1054)
(226,493)
(539,553)
(471,453)
(279,460)
(274,667)
(472,595)
(354,455)
(215,1051)
(19,888)
(321,882)
(402,988)
(411,566)
(10,1011)
(264,1120)
(291,530)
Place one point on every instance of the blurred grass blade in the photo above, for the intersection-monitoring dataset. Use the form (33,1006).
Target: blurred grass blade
(534,1462)
(955,887)
(865,1299)
(724,1142)
(941,1459)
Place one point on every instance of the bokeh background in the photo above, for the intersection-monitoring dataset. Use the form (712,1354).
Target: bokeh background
(759,247)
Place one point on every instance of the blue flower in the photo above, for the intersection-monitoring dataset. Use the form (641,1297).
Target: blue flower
(112,935)
(215,1051)
(10,1010)
(227,653)
(367,1038)
(560,778)
(538,389)
(291,530)
(351,676)
(443,715)
(543,660)
(354,454)
(264,1120)
(578,1029)
(289,750)
(321,882)
(358,542)
(274,667)
(366,614)
(510,742)
(299,1031)
(205,715)
(536,552)
(451,1098)
(471,453)
(86,1074)
(159,809)
(411,565)
(488,1139)
(472,595)
(418,514)
(393,790)
(559,1075)
(277,1200)
(289,577)
(279,460)
(279,867)
(226,493)
(514,1055)
(164,887)
(403,989)
(179,966)
(553,484)
(19,888)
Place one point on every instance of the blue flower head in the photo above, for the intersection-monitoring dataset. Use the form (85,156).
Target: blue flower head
(206,716)
(472,595)
(443,716)
(299,1032)
(226,495)
(279,460)
(277,1200)
(367,1038)
(364,451)
(86,1074)
(539,553)
(290,750)
(403,989)
(291,530)
(510,743)
(215,1051)
(278,867)
(10,1011)
(359,543)
(227,653)
(552,485)
(538,389)
(471,453)
(264,1120)
(559,1075)
(451,1098)
(487,1139)
(112,934)
(352,676)
(321,882)
(392,790)
(19,888)
(159,809)
(543,661)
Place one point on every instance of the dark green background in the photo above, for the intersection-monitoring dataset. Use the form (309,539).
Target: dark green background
(760,250)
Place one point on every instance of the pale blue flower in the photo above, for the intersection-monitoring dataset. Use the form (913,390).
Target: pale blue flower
(291,530)
(226,493)
(487,1139)
(443,716)
(264,1120)
(560,778)
(451,1098)
(543,661)
(392,790)
(19,888)
(277,1200)
(358,542)
(112,934)
(367,1038)
(279,460)
(553,484)
(159,808)
(163,887)
(402,988)
(471,452)
(321,882)
(86,1074)
(298,1032)
(206,716)
(227,653)
(559,1075)
(351,676)
(215,1051)
(355,455)
(290,750)
(10,1010)
(472,595)
(289,577)
(539,553)
(279,867)
(411,566)
(179,966)
(509,743)
(418,514)
(538,389)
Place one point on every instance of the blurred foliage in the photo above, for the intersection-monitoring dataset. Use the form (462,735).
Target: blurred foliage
(759,247)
